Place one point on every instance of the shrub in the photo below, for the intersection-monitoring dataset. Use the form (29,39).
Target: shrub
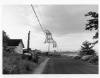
(93,60)
(14,64)
(9,69)
(77,57)
(86,57)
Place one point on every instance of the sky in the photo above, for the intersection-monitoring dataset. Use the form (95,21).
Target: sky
(66,23)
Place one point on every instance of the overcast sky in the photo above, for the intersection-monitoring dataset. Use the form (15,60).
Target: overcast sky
(66,22)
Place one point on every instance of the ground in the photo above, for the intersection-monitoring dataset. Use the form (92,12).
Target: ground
(41,67)
(68,65)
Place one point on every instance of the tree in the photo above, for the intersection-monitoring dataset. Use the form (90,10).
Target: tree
(5,39)
(93,24)
(86,49)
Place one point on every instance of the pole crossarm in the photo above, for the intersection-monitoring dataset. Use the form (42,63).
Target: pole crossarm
(49,38)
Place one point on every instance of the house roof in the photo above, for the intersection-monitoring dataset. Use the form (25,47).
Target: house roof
(14,42)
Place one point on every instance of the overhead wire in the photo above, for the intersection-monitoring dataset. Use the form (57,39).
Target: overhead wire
(37,18)
(54,43)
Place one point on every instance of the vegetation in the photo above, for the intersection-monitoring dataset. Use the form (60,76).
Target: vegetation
(93,60)
(87,52)
(93,24)
(14,64)
(86,49)
(5,39)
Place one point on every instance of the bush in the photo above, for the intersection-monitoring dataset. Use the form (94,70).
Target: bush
(8,69)
(14,64)
(87,52)
(93,60)
(86,57)
(77,57)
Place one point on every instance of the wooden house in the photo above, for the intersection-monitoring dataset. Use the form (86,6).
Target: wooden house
(16,45)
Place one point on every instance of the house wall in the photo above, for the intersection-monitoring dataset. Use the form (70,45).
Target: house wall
(19,48)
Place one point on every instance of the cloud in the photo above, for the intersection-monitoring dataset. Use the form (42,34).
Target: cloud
(59,19)
(66,22)
(73,41)
(64,19)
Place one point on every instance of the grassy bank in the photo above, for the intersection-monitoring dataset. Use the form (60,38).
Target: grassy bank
(13,63)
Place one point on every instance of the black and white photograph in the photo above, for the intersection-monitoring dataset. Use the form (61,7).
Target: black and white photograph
(50,39)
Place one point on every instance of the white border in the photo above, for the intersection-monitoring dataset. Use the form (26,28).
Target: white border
(49,2)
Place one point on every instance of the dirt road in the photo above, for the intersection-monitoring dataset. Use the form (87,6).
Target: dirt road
(69,66)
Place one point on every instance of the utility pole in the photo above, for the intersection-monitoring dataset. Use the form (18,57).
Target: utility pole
(48,47)
(28,41)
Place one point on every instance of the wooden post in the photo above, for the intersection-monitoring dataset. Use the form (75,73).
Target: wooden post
(28,41)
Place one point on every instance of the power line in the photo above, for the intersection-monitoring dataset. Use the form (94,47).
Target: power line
(47,33)
(37,17)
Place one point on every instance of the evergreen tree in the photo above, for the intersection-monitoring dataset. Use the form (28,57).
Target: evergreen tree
(86,49)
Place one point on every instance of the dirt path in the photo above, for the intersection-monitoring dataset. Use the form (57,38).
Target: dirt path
(41,67)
